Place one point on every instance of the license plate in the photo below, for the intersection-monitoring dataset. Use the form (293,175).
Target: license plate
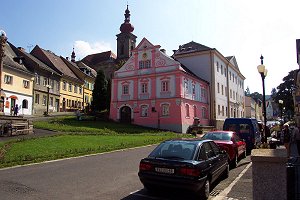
(164,170)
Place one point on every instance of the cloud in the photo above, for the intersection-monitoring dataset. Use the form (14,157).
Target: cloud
(83,48)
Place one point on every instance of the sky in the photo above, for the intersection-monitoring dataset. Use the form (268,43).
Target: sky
(244,29)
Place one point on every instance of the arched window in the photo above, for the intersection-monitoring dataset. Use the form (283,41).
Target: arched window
(24,103)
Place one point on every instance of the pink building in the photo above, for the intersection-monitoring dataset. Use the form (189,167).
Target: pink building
(154,90)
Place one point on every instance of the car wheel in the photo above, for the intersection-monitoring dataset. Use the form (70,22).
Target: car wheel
(245,154)
(204,192)
(234,162)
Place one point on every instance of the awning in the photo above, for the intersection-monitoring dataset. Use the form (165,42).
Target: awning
(13,97)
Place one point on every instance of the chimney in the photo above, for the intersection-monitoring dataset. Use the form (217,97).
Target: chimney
(21,49)
(67,58)
(163,50)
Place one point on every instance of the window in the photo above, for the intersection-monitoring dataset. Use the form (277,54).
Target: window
(193,89)
(80,90)
(44,100)
(195,111)
(144,88)
(222,110)
(37,98)
(186,87)
(187,110)
(148,63)
(144,111)
(225,71)
(57,86)
(25,84)
(208,150)
(230,93)
(51,101)
(218,87)
(217,66)
(144,64)
(165,86)
(45,81)
(8,79)
(64,85)
(165,109)
(125,89)
(70,87)
(222,69)
(203,111)
(222,90)
(226,91)
(37,80)
(75,88)
(219,110)
(24,103)
(230,75)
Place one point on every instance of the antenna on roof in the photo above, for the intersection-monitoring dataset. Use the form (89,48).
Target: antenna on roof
(29,47)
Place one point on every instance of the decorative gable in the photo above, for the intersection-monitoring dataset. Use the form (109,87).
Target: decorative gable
(147,58)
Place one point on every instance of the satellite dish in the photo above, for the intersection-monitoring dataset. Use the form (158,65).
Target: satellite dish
(2,33)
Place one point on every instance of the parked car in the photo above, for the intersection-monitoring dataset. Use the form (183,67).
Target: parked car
(247,129)
(185,164)
(231,142)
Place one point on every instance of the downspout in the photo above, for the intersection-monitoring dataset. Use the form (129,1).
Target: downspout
(227,92)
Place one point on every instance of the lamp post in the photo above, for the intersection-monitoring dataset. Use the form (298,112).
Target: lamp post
(263,73)
(48,91)
(280,107)
(3,40)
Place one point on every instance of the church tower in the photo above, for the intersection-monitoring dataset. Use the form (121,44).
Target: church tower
(126,41)
(73,56)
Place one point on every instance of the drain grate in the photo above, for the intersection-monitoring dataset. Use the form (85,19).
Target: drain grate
(215,192)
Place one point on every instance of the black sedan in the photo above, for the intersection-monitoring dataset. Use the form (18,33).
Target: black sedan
(187,164)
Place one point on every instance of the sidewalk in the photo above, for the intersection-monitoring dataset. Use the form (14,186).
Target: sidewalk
(242,187)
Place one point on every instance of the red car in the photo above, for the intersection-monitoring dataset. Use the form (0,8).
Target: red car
(229,141)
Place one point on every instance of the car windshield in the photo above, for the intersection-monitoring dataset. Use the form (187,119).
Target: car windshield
(218,136)
(178,150)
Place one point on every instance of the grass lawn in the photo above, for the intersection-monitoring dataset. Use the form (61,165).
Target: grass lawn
(77,138)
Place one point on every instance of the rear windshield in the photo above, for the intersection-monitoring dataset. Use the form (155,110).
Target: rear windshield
(181,150)
(218,136)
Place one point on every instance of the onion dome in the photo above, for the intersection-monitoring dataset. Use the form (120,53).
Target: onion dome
(126,27)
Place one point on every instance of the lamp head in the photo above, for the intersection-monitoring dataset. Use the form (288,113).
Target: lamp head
(261,69)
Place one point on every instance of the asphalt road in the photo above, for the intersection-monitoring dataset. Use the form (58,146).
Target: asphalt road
(109,176)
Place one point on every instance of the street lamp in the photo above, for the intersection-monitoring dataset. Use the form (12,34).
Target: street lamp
(280,107)
(48,91)
(263,73)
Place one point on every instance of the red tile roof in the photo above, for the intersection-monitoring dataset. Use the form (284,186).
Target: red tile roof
(97,58)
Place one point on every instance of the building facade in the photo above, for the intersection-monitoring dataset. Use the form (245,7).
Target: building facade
(16,83)
(224,77)
(152,89)
(70,86)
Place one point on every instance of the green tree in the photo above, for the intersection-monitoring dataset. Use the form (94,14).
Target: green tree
(100,94)
(256,95)
(273,93)
(285,92)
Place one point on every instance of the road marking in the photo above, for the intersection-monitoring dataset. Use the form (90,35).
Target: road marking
(226,191)
(145,196)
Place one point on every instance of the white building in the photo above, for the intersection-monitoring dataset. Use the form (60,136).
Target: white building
(223,74)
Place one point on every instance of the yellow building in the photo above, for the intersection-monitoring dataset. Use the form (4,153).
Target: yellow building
(16,84)
(71,86)
(85,73)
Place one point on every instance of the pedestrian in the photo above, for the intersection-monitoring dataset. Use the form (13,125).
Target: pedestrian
(16,110)
(286,138)
(296,137)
